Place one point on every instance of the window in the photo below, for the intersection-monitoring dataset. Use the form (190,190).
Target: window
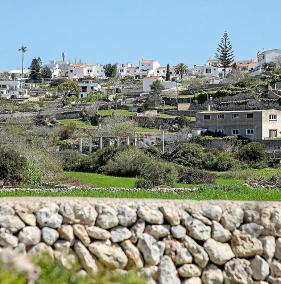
(273,117)
(249,131)
(235,115)
(208,70)
(220,116)
(220,131)
(235,131)
(272,133)
(207,116)
(250,115)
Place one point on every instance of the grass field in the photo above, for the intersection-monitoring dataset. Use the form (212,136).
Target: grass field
(122,112)
(79,123)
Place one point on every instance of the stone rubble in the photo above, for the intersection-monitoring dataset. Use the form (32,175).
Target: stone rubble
(209,244)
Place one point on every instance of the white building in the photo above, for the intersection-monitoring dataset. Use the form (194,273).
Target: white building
(122,69)
(265,56)
(146,65)
(17,74)
(87,87)
(80,71)
(11,89)
(148,81)
(58,68)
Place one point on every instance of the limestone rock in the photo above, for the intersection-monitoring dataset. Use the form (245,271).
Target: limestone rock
(69,261)
(86,214)
(273,280)
(167,271)
(158,231)
(192,280)
(182,256)
(186,219)
(98,233)
(86,259)
(133,254)
(137,230)
(112,256)
(150,272)
(212,275)
(277,251)
(245,246)
(120,234)
(219,233)
(238,271)
(40,250)
(171,215)
(81,233)
(189,270)
(200,256)
(275,267)
(199,230)
(7,239)
(28,218)
(11,223)
(200,217)
(252,229)
(213,212)
(67,212)
(62,246)
(66,233)
(219,253)
(49,235)
(6,210)
(251,216)
(46,217)
(150,249)
(260,268)
(268,243)
(271,220)
(178,232)
(232,218)
(126,216)
(30,235)
(107,217)
(150,215)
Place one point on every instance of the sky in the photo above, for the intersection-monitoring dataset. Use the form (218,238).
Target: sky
(111,31)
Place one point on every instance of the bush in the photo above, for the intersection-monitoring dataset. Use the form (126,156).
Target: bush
(70,159)
(127,163)
(189,175)
(67,131)
(253,153)
(12,166)
(188,155)
(225,162)
(33,175)
(156,172)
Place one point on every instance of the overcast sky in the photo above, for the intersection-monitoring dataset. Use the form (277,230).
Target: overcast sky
(110,31)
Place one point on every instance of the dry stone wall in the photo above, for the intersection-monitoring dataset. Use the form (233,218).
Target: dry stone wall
(169,242)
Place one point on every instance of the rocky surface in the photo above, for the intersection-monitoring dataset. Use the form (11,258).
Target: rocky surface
(173,242)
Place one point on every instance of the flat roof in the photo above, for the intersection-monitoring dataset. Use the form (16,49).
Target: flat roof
(235,111)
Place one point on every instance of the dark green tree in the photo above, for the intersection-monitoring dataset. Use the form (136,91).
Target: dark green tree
(46,72)
(110,70)
(168,75)
(181,69)
(156,87)
(35,69)
(225,53)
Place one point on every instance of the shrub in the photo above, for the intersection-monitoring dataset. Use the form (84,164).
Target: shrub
(67,131)
(70,159)
(12,166)
(253,153)
(127,163)
(225,162)
(157,172)
(189,175)
(33,175)
(188,155)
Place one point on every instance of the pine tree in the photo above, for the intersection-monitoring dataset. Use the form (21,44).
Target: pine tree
(46,73)
(225,53)
(168,75)
(35,69)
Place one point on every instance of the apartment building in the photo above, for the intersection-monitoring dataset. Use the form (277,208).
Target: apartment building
(252,124)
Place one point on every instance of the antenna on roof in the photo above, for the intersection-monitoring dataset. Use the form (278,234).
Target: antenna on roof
(63,56)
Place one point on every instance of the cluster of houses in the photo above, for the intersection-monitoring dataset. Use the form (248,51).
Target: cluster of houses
(12,84)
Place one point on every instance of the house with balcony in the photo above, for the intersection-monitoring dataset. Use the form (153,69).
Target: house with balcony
(252,124)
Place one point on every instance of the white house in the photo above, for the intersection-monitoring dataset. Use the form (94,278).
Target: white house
(148,81)
(146,65)
(17,74)
(87,87)
(58,68)
(122,69)
(11,89)
(79,71)
(265,56)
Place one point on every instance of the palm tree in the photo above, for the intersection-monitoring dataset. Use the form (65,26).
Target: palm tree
(22,50)
(181,69)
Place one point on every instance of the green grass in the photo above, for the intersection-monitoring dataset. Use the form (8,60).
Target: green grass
(102,181)
(79,123)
